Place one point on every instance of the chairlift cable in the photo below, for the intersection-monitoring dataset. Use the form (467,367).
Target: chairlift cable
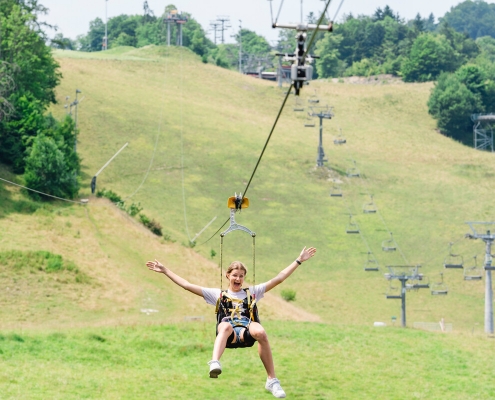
(366,181)
(315,32)
(279,9)
(361,234)
(338,9)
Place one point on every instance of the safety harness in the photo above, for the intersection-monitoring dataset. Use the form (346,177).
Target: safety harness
(234,310)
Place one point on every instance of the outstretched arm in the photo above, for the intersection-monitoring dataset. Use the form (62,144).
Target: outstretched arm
(305,255)
(157,266)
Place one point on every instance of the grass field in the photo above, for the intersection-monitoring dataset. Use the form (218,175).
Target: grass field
(169,361)
(195,132)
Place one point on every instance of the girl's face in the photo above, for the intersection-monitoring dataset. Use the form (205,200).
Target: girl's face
(236,279)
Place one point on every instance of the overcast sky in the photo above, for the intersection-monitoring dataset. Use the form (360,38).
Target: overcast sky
(73,16)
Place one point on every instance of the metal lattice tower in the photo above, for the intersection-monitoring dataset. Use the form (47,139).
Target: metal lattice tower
(404,273)
(322,113)
(483,131)
(488,238)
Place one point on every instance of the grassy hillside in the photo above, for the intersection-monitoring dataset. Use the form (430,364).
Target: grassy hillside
(214,123)
(195,132)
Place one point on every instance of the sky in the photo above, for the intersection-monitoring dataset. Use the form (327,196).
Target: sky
(73,16)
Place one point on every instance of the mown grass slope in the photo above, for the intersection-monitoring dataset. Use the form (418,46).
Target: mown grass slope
(195,132)
(209,126)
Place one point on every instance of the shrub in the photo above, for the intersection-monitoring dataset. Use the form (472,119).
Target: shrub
(289,294)
(153,225)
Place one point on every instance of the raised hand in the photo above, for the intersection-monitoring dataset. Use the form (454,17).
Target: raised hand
(156,266)
(306,254)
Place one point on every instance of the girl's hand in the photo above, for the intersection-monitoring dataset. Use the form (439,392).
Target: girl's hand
(306,254)
(156,266)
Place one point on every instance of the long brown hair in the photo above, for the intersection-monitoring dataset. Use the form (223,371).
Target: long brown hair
(236,265)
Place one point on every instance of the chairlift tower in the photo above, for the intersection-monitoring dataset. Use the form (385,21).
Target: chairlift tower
(174,17)
(483,131)
(404,273)
(488,238)
(321,113)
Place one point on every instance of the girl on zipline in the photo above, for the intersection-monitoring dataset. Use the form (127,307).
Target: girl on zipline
(237,317)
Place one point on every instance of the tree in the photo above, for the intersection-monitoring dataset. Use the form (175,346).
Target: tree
(329,63)
(430,56)
(451,103)
(47,172)
(27,63)
(476,18)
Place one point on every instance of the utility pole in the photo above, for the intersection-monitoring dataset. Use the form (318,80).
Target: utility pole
(224,21)
(75,103)
(322,113)
(215,25)
(240,46)
(105,39)
(488,238)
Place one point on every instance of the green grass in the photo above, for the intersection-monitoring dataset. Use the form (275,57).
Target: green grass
(63,339)
(314,361)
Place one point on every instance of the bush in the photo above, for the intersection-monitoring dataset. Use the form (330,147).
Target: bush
(288,294)
(151,224)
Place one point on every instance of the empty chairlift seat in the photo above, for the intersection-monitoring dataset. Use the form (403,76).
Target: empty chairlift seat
(453,261)
(352,227)
(371,264)
(389,244)
(439,288)
(369,208)
(353,172)
(336,191)
(340,139)
(473,273)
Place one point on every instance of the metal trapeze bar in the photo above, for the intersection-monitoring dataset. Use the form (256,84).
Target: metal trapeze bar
(234,226)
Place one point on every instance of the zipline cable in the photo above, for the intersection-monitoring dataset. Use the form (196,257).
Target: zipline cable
(320,20)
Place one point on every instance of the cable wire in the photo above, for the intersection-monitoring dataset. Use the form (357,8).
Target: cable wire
(44,194)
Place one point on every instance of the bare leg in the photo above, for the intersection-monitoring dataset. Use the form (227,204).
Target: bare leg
(224,331)
(264,350)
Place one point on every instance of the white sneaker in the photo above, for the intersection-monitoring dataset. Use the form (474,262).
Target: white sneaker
(273,385)
(215,368)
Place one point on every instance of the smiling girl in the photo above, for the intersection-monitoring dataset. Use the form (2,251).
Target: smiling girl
(237,317)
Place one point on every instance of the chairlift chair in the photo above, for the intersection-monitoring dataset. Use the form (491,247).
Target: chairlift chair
(313,99)
(353,172)
(340,139)
(393,293)
(371,264)
(439,288)
(473,273)
(389,244)
(335,191)
(310,122)
(298,106)
(453,261)
(369,208)
(352,227)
